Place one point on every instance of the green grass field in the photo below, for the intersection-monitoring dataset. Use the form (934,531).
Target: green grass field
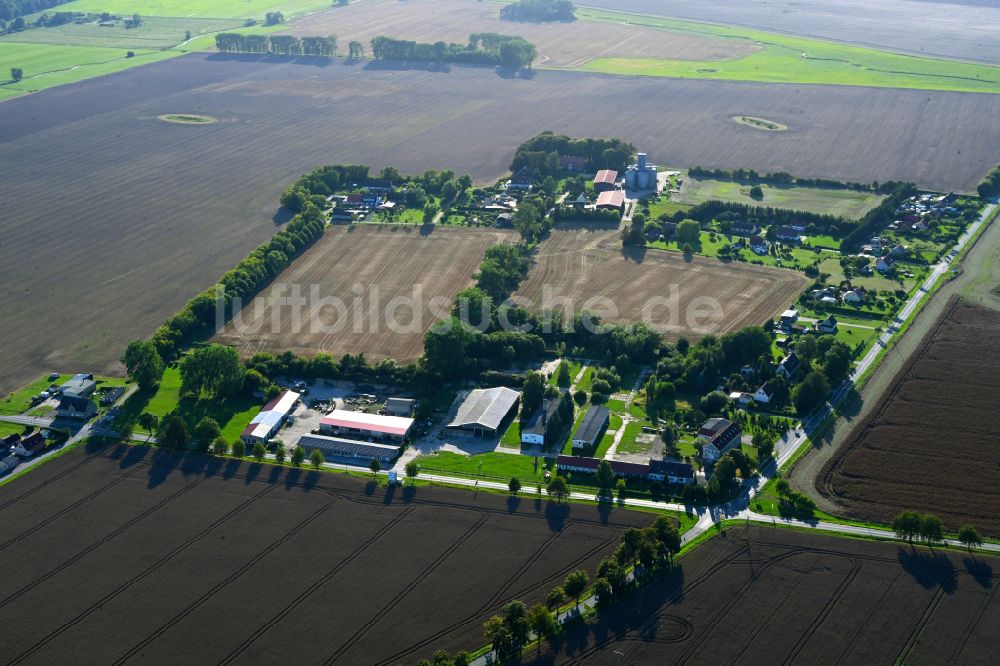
(47,65)
(499,466)
(232,414)
(787,59)
(154,33)
(824,200)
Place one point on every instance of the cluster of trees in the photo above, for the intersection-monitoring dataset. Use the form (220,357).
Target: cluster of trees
(501,271)
(562,212)
(512,629)
(990,187)
(16,73)
(274,18)
(793,502)
(536,11)
(541,153)
(910,525)
(726,212)
(12,10)
(213,371)
(785,178)
(482,49)
(234,42)
(877,218)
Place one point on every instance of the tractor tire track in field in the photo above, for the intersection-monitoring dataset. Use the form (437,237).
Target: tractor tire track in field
(977,618)
(333,571)
(50,481)
(826,610)
(74,505)
(142,574)
(255,559)
(497,598)
(400,596)
(100,542)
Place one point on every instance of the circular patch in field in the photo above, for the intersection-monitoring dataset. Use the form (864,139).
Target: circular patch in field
(187,119)
(760,123)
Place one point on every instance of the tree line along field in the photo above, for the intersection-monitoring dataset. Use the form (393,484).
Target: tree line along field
(928,445)
(579,264)
(851,204)
(766,595)
(147,555)
(559,44)
(388,262)
(962,29)
(180,214)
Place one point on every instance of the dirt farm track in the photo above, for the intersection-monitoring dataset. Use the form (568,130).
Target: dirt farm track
(146,556)
(926,446)
(110,219)
(771,596)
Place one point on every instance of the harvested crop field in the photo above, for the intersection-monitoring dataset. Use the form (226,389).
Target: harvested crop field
(929,445)
(372,265)
(766,595)
(559,44)
(584,264)
(110,219)
(130,554)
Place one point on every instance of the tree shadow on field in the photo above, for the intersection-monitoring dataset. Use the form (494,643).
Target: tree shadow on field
(406,65)
(282,216)
(313,61)
(511,73)
(928,568)
(275,474)
(390,494)
(980,570)
(292,478)
(604,511)
(426,229)
(556,514)
(232,465)
(513,503)
(253,471)
(311,480)
(135,454)
(634,253)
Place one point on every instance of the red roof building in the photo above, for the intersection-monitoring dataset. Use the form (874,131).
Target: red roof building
(611,200)
(605,180)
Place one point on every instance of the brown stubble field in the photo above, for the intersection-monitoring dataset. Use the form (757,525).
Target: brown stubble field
(581,263)
(111,219)
(559,44)
(766,595)
(128,554)
(929,444)
(385,262)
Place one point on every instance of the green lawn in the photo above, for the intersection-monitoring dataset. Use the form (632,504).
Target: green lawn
(825,200)
(12,429)
(574,370)
(512,436)
(20,400)
(233,414)
(495,466)
(876,280)
(629,443)
(786,59)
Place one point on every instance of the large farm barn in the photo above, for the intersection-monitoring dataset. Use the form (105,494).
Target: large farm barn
(383,263)
(930,446)
(765,595)
(580,264)
(87,163)
(125,554)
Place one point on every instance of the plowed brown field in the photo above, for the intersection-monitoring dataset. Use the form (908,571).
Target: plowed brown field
(130,555)
(930,445)
(589,268)
(771,596)
(371,265)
